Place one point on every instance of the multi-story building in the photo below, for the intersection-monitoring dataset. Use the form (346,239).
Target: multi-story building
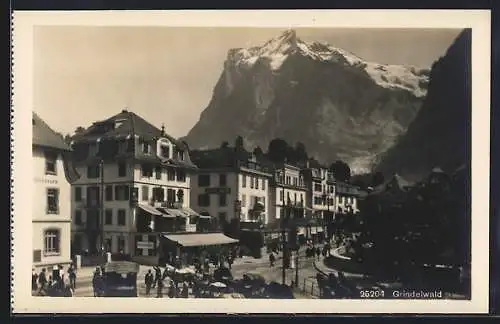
(288,192)
(231,185)
(320,185)
(346,198)
(134,185)
(51,219)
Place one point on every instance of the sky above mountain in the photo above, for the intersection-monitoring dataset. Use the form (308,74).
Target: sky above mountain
(167,75)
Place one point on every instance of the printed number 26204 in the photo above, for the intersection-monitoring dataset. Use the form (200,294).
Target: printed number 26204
(371,293)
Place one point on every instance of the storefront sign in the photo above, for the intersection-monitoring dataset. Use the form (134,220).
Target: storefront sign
(145,245)
(47,181)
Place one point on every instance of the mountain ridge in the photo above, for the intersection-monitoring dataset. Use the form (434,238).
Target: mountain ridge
(338,105)
(440,134)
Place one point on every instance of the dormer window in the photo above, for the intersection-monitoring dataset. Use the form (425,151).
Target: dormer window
(50,163)
(146,148)
(119,122)
(165,151)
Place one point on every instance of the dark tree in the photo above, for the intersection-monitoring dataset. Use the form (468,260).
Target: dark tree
(277,150)
(341,170)
(67,139)
(224,144)
(377,179)
(239,143)
(258,151)
(300,152)
(79,130)
(360,183)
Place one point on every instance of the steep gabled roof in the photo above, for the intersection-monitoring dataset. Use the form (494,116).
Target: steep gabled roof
(45,136)
(395,180)
(130,124)
(219,157)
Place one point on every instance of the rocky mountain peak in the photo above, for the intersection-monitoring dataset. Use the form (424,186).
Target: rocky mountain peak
(336,103)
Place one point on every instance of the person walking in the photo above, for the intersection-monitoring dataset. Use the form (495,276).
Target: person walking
(42,280)
(185,290)
(96,285)
(171,288)
(159,288)
(148,280)
(72,276)
(271,259)
(34,280)
(318,252)
(157,276)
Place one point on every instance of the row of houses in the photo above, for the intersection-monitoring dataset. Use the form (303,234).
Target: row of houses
(126,186)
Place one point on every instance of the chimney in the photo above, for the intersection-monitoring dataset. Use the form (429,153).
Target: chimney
(162,129)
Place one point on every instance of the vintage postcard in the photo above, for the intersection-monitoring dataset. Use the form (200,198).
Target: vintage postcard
(210,162)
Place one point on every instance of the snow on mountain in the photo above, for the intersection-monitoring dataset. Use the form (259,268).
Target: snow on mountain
(440,133)
(278,49)
(339,105)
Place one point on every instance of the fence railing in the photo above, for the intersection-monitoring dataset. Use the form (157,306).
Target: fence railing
(309,286)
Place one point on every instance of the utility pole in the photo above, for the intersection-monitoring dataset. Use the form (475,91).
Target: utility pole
(296,245)
(283,273)
(284,227)
(101,198)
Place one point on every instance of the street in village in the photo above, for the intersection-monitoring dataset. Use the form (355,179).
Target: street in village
(307,287)
(240,267)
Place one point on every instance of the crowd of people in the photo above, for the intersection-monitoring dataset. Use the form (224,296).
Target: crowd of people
(57,283)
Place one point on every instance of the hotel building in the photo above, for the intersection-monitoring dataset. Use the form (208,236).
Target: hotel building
(288,190)
(134,187)
(51,219)
(231,185)
(346,198)
(320,185)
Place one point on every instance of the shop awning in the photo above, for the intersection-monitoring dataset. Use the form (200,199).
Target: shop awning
(175,212)
(201,239)
(149,209)
(165,213)
(190,211)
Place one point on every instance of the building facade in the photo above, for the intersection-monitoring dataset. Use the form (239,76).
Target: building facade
(320,185)
(288,190)
(135,183)
(51,219)
(230,187)
(346,198)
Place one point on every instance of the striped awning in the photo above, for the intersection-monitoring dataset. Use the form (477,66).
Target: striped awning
(201,239)
(165,213)
(190,211)
(176,212)
(149,209)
